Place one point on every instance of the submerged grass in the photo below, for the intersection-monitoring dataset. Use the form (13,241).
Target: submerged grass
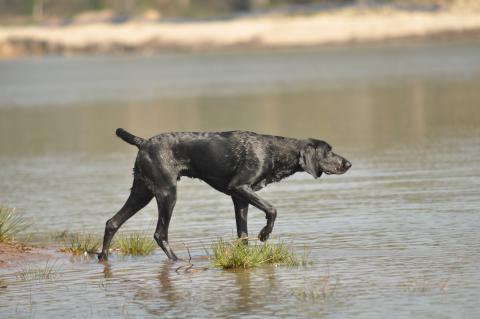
(322,290)
(424,284)
(236,254)
(27,273)
(135,244)
(11,224)
(81,243)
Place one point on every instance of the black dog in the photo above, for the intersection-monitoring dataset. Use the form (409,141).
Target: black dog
(236,163)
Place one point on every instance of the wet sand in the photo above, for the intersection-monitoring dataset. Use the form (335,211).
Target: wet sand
(15,254)
(267,31)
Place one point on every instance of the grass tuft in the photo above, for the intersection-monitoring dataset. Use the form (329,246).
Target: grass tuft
(238,255)
(81,243)
(49,271)
(11,224)
(136,244)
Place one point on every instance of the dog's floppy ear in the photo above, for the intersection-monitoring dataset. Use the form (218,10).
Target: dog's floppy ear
(308,160)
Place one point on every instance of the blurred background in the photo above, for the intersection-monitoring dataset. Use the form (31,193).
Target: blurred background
(43,10)
(365,72)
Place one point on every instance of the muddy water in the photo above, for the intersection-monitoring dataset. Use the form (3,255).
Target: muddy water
(396,237)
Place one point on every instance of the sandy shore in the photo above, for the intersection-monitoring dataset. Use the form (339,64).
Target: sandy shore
(272,31)
(15,255)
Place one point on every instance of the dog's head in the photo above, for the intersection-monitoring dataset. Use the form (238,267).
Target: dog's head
(316,157)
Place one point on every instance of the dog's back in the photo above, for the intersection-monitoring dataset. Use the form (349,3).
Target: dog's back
(216,157)
(208,156)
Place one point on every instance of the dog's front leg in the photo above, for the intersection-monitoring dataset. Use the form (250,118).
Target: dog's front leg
(246,193)
(241,215)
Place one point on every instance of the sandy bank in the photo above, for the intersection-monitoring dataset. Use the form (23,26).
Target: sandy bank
(14,255)
(342,26)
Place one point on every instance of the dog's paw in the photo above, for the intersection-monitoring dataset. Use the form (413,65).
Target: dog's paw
(243,240)
(264,233)
(102,257)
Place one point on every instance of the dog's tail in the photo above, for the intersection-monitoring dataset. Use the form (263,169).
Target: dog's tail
(130,138)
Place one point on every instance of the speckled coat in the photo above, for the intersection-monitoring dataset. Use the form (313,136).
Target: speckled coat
(237,163)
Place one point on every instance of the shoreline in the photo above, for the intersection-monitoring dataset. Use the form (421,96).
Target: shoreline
(341,27)
(14,254)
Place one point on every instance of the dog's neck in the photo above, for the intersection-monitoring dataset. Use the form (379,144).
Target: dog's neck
(287,164)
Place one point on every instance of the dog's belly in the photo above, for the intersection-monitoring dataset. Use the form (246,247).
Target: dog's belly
(219,185)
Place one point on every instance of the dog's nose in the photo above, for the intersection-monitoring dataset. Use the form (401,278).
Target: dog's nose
(346,164)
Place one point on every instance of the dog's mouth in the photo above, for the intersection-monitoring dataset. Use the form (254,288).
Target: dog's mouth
(337,171)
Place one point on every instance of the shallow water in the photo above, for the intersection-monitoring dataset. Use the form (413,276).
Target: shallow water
(397,236)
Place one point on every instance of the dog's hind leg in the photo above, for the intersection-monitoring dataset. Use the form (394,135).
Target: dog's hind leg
(139,197)
(241,214)
(166,196)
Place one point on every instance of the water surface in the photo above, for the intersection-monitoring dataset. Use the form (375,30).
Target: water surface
(397,236)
